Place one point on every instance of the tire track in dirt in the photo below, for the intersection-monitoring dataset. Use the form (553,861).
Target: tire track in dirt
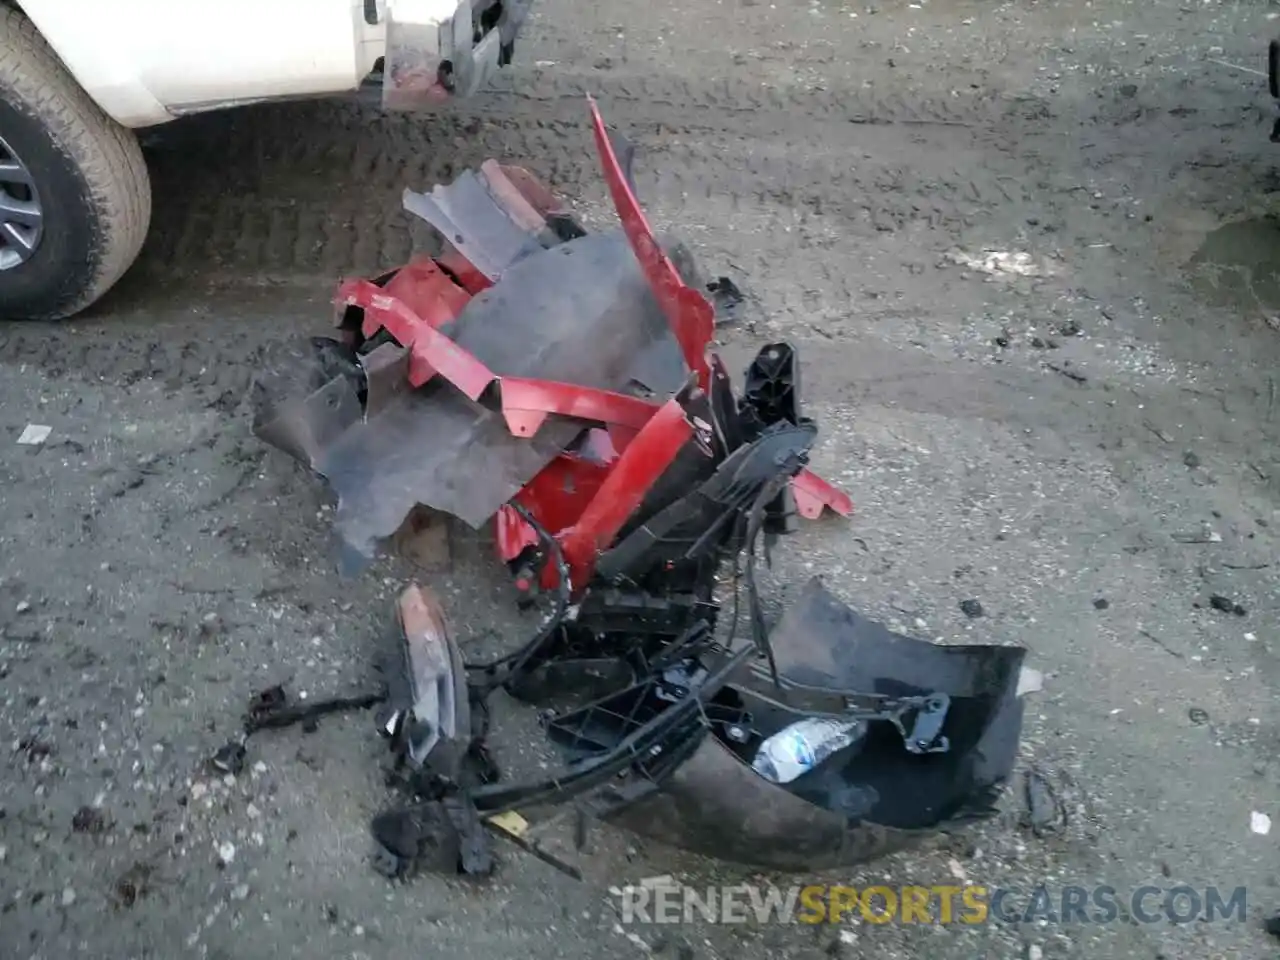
(314,189)
(290,197)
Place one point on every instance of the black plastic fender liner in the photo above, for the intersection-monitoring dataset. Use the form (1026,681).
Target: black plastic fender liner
(864,802)
(715,805)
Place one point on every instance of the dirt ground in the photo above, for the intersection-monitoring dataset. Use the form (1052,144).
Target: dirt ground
(1080,434)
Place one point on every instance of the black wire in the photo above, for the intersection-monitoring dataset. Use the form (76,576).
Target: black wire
(755,521)
(521,656)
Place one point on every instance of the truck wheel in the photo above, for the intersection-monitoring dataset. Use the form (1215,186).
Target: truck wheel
(75,199)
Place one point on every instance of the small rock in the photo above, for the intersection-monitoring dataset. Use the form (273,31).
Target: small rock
(1226,605)
(1070,329)
(68,897)
(240,892)
(1259,823)
(1035,952)
(1197,715)
(1272,925)
(88,820)
(227,852)
(1101,604)
(971,608)
(1190,459)
(229,759)
(22,607)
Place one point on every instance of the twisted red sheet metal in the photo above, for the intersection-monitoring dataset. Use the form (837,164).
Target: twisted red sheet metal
(691,316)
(526,403)
(583,503)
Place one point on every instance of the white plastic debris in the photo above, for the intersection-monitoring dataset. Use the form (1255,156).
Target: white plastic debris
(663,881)
(1259,823)
(1002,263)
(34,434)
(1030,680)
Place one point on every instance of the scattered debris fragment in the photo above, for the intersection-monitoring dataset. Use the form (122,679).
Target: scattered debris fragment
(1206,535)
(1259,823)
(1030,680)
(1272,925)
(444,835)
(1227,605)
(89,820)
(727,300)
(132,885)
(1069,374)
(579,404)
(34,434)
(1002,264)
(229,758)
(270,709)
(1046,814)
(1190,459)
(286,715)
(1198,715)
(971,608)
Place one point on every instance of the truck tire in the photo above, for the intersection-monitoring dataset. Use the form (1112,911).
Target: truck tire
(75,198)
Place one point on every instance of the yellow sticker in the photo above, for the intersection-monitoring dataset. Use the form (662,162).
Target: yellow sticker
(510,822)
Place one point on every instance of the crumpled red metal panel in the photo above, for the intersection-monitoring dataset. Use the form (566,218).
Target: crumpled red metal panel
(691,316)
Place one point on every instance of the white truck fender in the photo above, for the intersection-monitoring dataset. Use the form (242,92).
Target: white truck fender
(93,41)
(147,61)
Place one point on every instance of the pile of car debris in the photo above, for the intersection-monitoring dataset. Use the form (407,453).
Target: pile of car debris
(562,384)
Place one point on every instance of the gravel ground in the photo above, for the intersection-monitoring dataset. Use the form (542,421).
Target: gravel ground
(1024,251)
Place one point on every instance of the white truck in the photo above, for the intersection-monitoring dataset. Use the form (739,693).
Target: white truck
(77,77)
